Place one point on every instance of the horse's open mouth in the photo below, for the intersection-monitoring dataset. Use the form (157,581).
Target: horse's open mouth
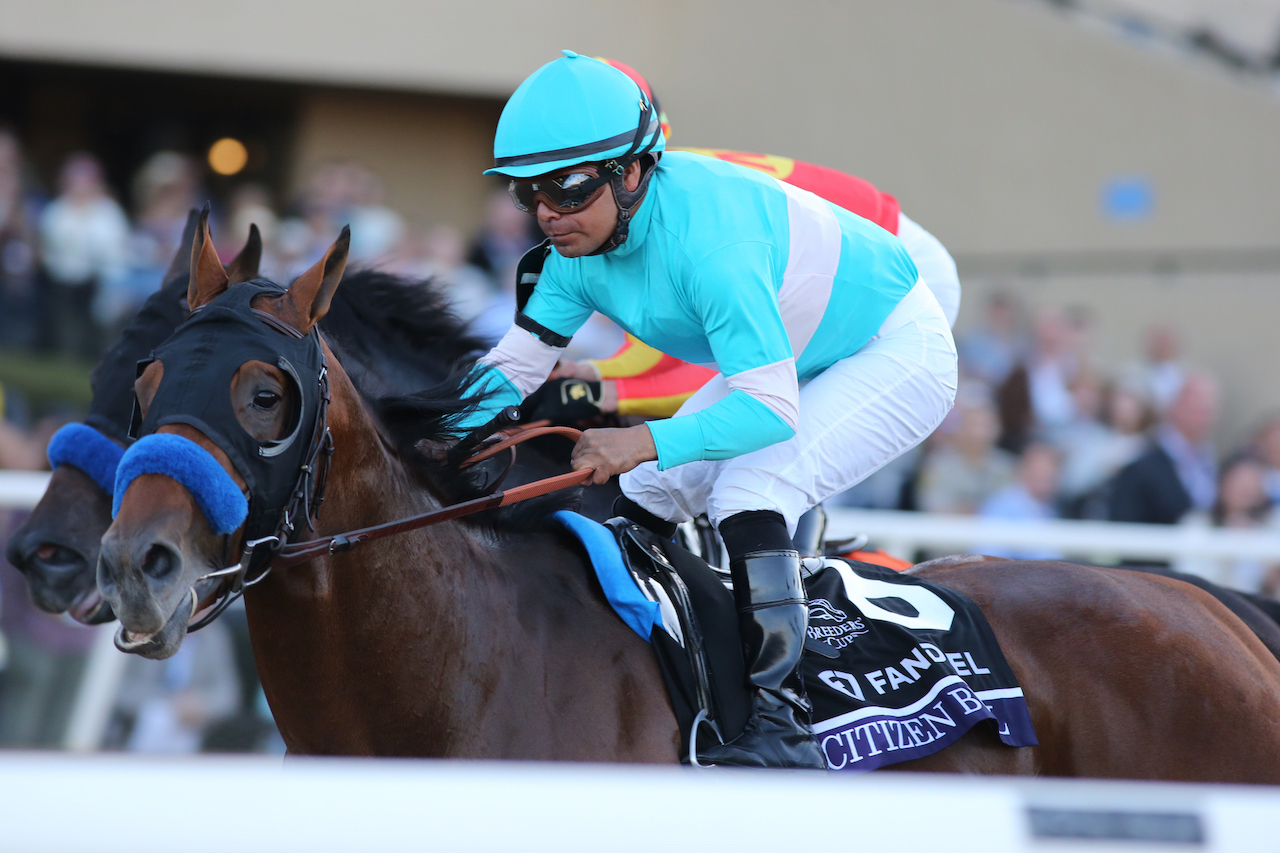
(165,642)
(159,644)
(90,608)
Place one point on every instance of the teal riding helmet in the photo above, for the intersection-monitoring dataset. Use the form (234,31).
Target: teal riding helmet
(573,110)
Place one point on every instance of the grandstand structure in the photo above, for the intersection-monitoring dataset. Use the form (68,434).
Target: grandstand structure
(1056,161)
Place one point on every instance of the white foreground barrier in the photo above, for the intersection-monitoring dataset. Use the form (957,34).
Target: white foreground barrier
(123,805)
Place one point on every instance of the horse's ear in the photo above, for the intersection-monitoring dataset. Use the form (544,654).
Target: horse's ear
(245,266)
(181,263)
(208,278)
(309,296)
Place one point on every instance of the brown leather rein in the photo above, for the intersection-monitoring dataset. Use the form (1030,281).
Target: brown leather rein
(300,552)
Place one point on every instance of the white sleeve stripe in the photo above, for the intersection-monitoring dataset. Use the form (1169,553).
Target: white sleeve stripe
(524,359)
(812,261)
(775,385)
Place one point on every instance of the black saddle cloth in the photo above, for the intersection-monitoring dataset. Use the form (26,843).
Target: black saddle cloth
(896,667)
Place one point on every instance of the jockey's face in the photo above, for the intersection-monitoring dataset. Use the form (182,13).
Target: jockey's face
(582,231)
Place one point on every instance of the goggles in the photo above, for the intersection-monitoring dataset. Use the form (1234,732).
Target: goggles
(564,194)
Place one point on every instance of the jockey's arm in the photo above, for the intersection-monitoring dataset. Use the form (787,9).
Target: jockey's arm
(526,355)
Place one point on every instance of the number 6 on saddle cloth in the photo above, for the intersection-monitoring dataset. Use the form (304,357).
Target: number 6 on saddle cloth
(201,358)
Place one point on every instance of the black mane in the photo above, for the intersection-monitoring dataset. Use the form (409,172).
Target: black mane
(395,335)
(424,424)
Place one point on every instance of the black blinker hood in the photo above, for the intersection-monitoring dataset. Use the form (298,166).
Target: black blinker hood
(201,358)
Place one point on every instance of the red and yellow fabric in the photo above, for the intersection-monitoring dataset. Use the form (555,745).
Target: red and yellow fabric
(650,383)
(840,188)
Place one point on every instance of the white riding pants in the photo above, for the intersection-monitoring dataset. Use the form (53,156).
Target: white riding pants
(855,417)
(934,264)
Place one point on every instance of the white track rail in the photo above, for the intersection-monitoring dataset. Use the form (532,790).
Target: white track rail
(901,533)
(123,805)
(22,489)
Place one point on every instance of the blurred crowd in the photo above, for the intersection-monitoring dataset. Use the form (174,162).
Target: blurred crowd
(76,262)
(1039,430)
(75,265)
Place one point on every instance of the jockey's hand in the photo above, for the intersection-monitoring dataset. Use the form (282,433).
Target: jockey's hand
(570,369)
(613,451)
(567,401)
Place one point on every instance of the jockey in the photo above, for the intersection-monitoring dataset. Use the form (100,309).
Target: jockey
(719,265)
(637,380)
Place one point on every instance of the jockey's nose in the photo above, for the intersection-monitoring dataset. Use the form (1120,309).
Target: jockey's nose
(547,213)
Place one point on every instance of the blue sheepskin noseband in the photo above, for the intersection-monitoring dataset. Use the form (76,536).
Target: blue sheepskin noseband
(89,450)
(192,466)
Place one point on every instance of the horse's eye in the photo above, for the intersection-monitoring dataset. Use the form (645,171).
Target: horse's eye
(266,400)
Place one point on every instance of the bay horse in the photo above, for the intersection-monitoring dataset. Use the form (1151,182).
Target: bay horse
(491,640)
(394,334)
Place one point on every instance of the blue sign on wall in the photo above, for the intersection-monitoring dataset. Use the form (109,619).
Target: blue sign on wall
(1128,198)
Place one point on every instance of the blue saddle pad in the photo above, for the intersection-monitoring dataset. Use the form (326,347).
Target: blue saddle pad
(637,611)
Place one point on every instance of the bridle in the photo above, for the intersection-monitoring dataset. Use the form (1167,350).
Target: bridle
(284,555)
(258,555)
(301,552)
(284,480)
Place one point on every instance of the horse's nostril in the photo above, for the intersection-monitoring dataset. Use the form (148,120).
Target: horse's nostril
(51,556)
(160,562)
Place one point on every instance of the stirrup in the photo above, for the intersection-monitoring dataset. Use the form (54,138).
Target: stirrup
(698,721)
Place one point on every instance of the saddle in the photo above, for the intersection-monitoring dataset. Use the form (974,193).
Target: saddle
(896,667)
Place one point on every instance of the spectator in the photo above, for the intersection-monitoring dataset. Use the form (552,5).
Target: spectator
(1266,447)
(501,243)
(1161,374)
(251,205)
(1035,399)
(84,238)
(1028,498)
(322,206)
(1051,366)
(376,230)
(19,307)
(506,235)
(1106,434)
(46,657)
(172,703)
(1177,472)
(1242,504)
(164,191)
(440,254)
(45,653)
(959,476)
(990,351)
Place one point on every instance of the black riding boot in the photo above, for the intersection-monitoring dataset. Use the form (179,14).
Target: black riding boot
(772,618)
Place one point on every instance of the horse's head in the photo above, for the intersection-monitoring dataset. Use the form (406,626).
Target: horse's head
(57,546)
(231,414)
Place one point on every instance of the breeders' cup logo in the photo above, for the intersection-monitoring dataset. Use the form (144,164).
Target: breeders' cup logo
(840,634)
(820,608)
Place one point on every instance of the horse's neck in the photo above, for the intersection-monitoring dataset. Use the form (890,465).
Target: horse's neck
(342,642)
(438,642)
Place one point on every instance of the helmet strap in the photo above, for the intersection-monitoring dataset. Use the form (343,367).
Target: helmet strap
(627,200)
